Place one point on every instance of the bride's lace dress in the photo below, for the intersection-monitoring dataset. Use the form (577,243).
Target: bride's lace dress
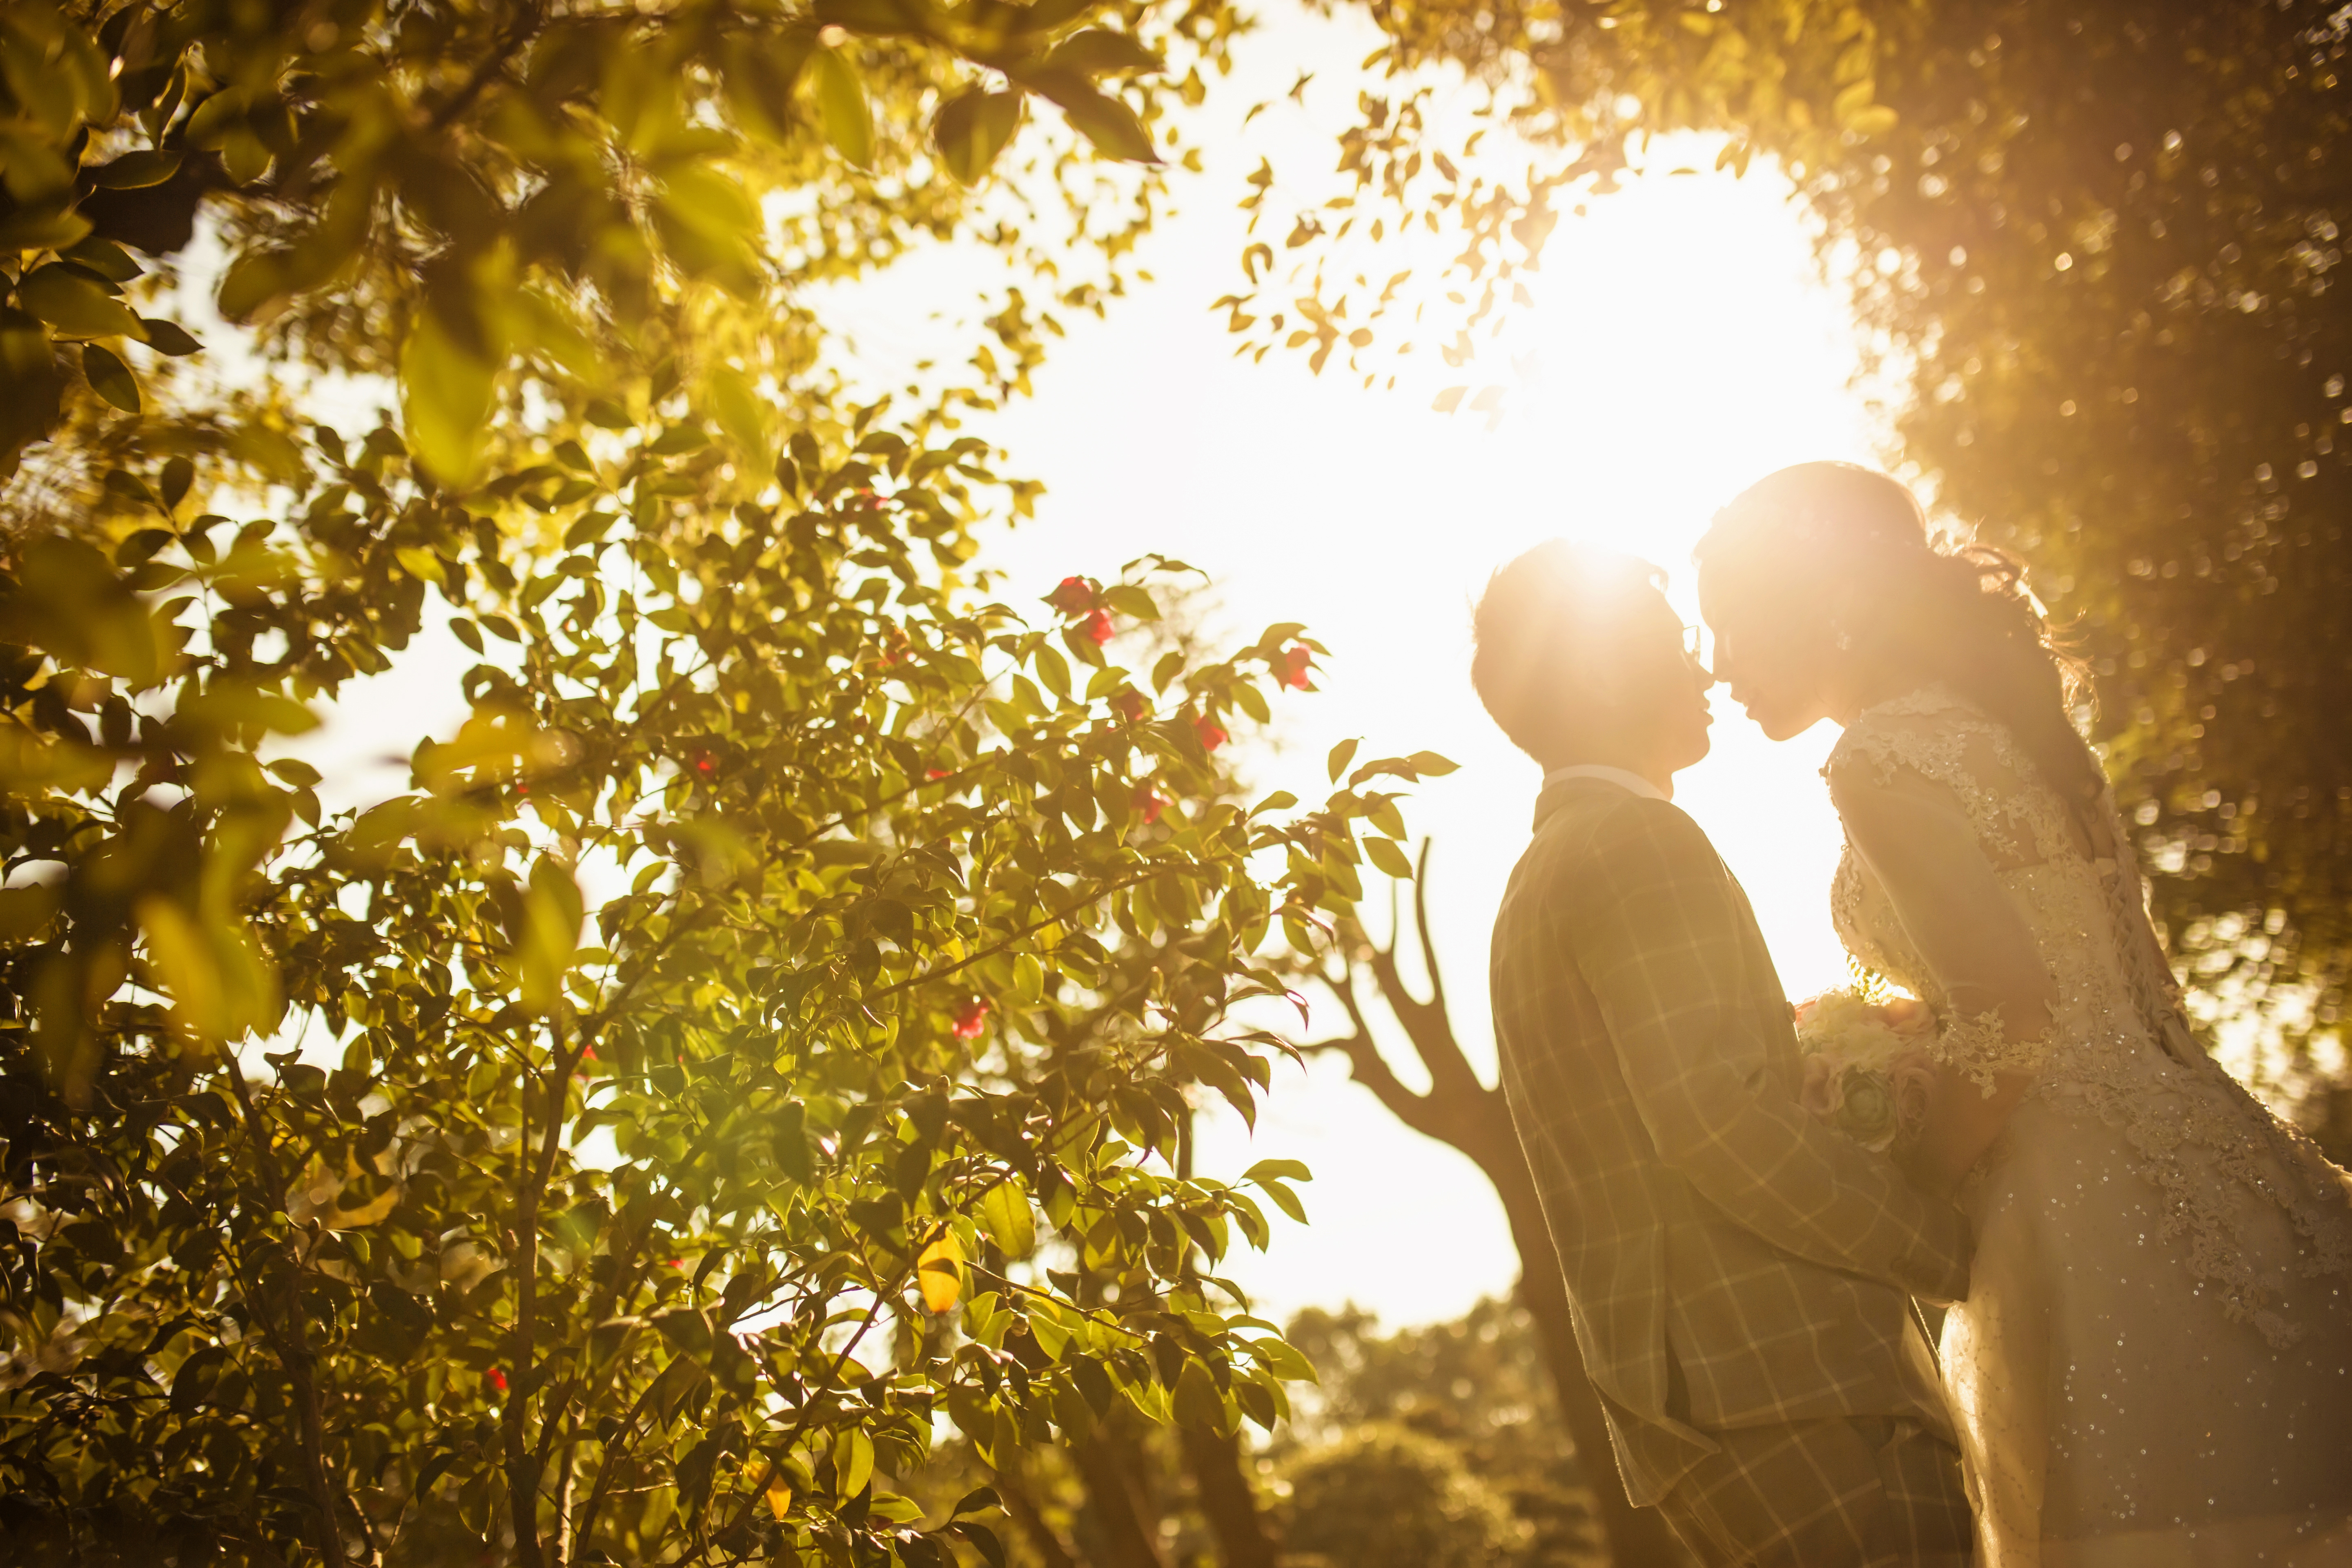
(2154,1364)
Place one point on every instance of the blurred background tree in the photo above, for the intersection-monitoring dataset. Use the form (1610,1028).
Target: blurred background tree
(2099,245)
(1456,1424)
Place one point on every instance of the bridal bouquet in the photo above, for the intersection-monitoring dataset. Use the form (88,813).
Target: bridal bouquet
(1866,1069)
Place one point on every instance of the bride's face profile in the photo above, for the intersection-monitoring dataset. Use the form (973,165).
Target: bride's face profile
(1775,652)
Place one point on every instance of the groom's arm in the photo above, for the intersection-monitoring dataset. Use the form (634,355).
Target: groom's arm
(1660,937)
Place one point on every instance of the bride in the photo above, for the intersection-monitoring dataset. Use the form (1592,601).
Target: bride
(2154,1364)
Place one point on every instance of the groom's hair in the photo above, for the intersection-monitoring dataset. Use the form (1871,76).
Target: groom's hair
(1548,631)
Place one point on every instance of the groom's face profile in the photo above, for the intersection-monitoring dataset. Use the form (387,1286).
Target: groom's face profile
(1581,660)
(1661,687)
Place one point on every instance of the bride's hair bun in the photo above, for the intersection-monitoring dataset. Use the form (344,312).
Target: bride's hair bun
(1956,609)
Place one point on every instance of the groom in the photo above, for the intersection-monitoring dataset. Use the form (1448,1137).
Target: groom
(1737,1269)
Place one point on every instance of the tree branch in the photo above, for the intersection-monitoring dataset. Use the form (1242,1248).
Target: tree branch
(1426,1024)
(291,1341)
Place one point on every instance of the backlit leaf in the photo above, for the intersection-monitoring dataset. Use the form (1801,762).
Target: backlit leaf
(1011,1224)
(938,1271)
(74,305)
(110,377)
(973,127)
(842,109)
(445,396)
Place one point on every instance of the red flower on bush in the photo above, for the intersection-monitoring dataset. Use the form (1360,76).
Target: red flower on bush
(1149,803)
(1131,705)
(1072,597)
(1213,734)
(972,1018)
(932,775)
(1293,669)
(702,762)
(497,1379)
(1097,626)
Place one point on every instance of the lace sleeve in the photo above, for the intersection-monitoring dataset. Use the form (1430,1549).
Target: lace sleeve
(1940,811)
(1981,1049)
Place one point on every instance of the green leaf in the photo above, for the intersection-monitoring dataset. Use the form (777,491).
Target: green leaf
(106,258)
(1340,754)
(1385,853)
(841,106)
(973,127)
(852,1463)
(1279,1169)
(1096,51)
(736,407)
(445,399)
(1010,1221)
(167,337)
(1284,1199)
(1430,766)
(110,377)
(1283,1360)
(24,911)
(253,280)
(74,305)
(41,228)
(1052,670)
(1198,1404)
(1109,124)
(134,171)
(552,912)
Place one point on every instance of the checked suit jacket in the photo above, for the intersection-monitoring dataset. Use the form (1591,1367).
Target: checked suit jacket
(1732,1262)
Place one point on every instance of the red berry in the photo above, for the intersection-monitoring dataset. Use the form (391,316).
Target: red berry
(498,1379)
(1072,595)
(1295,660)
(933,774)
(972,1018)
(702,764)
(1213,734)
(1097,626)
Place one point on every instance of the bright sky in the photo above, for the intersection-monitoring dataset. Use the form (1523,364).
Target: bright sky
(1683,346)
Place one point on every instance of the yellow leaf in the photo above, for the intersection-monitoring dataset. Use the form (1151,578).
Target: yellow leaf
(780,1496)
(939,1272)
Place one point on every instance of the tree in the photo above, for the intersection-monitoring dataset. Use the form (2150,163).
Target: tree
(1462,1113)
(2102,244)
(1392,1498)
(577,1157)
(1479,1390)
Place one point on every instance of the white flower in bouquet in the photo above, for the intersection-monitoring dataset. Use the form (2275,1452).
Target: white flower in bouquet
(1866,1069)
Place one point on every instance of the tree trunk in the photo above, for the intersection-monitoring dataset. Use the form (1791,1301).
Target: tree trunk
(1021,1504)
(1227,1498)
(1128,1528)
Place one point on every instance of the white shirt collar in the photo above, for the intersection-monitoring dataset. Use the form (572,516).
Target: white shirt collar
(1623,780)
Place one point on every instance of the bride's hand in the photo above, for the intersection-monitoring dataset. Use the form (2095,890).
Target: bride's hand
(1818,1091)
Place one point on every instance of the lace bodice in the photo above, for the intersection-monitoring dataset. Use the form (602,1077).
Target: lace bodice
(2120,1048)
